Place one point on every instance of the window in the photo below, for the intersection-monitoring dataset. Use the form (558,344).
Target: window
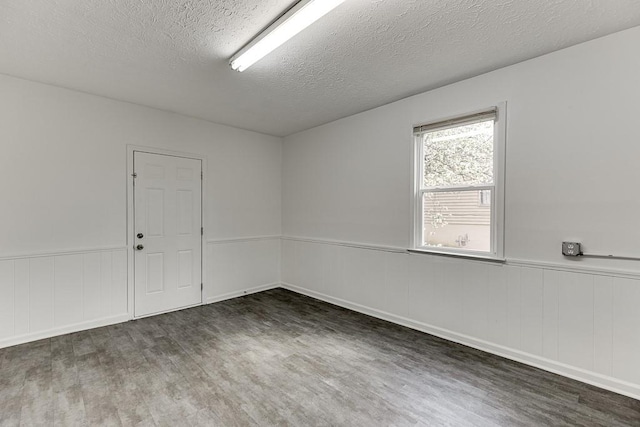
(459,185)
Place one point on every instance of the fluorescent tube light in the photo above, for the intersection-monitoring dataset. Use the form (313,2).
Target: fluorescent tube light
(299,17)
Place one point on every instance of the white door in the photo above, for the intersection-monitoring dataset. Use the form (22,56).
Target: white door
(167,235)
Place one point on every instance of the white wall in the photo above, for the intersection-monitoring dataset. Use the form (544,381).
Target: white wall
(63,182)
(572,153)
(63,213)
(571,156)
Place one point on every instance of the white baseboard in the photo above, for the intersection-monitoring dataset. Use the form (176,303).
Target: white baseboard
(240,293)
(598,380)
(112,320)
(593,378)
(77,327)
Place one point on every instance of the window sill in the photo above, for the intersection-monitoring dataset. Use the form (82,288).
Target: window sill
(475,257)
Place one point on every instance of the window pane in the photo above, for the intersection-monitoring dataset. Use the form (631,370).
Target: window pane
(457,219)
(462,155)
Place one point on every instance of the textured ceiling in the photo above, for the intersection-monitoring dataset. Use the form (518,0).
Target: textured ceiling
(173,54)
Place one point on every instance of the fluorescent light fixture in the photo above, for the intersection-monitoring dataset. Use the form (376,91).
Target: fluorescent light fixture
(296,19)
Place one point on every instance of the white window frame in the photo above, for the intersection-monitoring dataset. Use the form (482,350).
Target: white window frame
(497,197)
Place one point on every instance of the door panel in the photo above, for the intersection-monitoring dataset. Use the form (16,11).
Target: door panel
(168,215)
(185,212)
(155,212)
(185,272)
(155,272)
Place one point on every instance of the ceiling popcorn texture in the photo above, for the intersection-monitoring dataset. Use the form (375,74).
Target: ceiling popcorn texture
(173,54)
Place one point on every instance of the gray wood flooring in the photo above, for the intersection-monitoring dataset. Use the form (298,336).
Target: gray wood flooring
(278,358)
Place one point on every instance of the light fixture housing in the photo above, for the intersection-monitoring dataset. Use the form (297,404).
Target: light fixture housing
(296,19)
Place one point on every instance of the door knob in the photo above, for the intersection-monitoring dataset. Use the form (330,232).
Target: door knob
(140,235)
(139,247)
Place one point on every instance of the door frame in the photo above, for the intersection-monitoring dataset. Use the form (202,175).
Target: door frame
(131,149)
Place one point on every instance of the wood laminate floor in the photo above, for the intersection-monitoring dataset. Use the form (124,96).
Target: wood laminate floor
(278,358)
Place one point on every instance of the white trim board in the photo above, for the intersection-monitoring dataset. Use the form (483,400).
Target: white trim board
(121,318)
(54,332)
(367,246)
(598,380)
(575,269)
(62,252)
(603,271)
(602,381)
(241,239)
(241,293)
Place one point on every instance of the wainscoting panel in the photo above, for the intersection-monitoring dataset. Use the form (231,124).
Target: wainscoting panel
(626,335)
(241,266)
(580,324)
(50,294)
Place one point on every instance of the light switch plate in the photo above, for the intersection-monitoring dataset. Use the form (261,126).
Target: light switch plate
(571,249)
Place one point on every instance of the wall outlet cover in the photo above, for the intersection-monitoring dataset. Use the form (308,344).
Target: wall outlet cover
(571,249)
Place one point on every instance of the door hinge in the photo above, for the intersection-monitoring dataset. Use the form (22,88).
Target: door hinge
(202,231)
(201,175)
(135,175)
(202,286)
